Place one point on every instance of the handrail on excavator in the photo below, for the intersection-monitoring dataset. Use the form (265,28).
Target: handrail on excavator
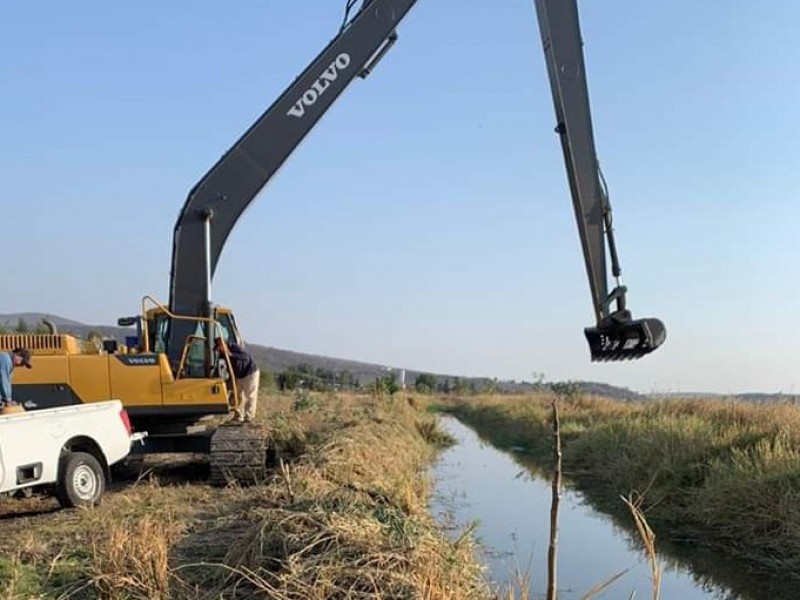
(198,319)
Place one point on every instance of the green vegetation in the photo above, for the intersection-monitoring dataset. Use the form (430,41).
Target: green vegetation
(425,383)
(305,376)
(725,474)
(386,385)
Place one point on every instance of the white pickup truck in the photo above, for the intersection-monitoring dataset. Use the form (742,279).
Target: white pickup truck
(69,450)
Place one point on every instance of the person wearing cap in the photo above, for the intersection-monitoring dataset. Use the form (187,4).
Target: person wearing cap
(8,362)
(247,376)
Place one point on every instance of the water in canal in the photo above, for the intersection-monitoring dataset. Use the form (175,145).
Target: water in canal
(477,483)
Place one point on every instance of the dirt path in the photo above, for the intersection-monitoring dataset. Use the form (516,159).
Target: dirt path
(24,520)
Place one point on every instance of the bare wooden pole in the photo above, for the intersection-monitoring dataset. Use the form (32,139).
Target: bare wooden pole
(552,559)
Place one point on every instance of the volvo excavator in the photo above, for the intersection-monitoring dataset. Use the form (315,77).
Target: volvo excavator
(168,374)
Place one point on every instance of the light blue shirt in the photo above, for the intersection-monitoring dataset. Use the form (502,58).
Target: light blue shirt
(6,369)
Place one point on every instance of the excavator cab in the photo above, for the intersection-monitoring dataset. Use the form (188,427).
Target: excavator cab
(193,357)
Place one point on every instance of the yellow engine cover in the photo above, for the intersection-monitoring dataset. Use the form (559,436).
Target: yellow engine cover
(140,381)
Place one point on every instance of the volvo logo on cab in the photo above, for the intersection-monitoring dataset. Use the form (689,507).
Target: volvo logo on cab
(137,360)
(319,87)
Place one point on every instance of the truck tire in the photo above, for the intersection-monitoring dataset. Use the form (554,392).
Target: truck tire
(81,481)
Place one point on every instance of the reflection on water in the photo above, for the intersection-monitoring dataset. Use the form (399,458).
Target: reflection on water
(478,483)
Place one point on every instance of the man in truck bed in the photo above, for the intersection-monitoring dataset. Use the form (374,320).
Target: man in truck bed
(8,361)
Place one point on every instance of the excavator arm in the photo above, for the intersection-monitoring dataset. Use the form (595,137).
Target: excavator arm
(222,195)
(218,200)
(616,336)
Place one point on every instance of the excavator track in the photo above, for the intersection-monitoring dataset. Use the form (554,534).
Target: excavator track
(240,454)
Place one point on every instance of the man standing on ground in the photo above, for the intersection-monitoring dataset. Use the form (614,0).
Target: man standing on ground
(8,361)
(247,375)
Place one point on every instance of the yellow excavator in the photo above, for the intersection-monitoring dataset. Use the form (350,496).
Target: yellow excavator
(168,374)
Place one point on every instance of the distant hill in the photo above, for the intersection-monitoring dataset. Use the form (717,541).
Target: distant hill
(609,391)
(755,397)
(278,360)
(34,319)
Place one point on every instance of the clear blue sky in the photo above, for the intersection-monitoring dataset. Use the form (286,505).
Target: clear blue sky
(426,221)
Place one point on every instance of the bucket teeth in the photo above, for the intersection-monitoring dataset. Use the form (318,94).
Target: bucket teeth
(625,341)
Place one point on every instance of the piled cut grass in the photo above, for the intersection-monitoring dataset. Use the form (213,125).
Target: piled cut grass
(349,520)
(723,473)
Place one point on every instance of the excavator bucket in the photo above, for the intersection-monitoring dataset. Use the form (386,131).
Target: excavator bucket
(625,341)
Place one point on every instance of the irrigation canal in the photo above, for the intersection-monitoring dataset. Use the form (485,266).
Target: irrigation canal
(510,507)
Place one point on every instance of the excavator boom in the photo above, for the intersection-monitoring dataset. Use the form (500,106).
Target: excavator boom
(222,195)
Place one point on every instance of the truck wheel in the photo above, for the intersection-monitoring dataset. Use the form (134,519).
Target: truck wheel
(82,480)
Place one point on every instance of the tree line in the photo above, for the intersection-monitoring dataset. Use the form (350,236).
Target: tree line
(22,326)
(307,377)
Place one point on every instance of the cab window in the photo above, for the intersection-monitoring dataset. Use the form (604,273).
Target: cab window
(159,333)
(226,328)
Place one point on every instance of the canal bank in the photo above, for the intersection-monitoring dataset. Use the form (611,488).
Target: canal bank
(719,461)
(509,507)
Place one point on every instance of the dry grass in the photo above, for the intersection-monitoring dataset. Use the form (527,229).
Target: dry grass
(345,517)
(352,522)
(130,558)
(648,538)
